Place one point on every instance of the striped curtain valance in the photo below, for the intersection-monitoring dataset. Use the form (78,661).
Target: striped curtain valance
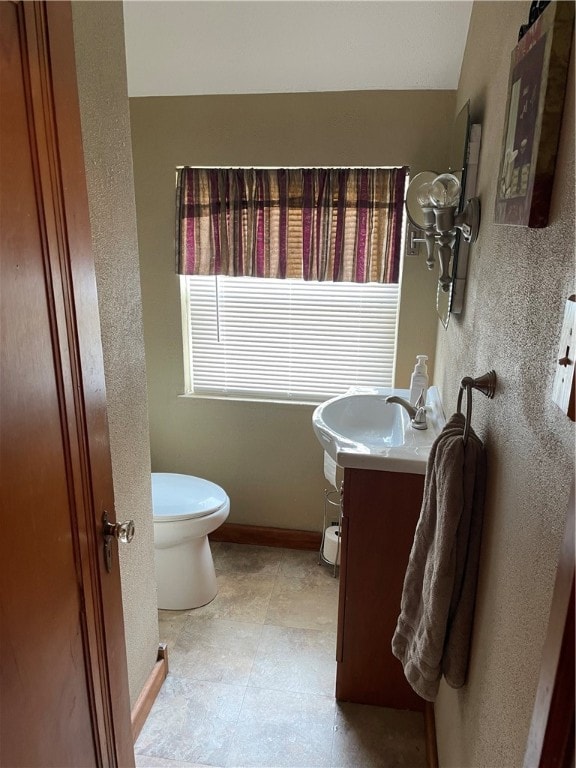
(310,223)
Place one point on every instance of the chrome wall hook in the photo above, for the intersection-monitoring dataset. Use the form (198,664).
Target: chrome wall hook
(485,384)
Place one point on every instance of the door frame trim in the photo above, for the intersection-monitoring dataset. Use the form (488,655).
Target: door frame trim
(550,741)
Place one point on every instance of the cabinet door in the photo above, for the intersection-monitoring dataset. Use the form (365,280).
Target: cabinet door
(380,513)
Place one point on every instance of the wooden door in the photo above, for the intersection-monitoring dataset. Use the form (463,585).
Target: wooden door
(63,680)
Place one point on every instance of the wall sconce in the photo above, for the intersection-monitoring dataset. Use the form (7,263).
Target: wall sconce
(433,207)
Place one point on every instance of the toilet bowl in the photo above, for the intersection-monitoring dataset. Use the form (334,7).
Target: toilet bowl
(185,510)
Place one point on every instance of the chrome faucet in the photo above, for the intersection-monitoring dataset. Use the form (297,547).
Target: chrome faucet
(417,413)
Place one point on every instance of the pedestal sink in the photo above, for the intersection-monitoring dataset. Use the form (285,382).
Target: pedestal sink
(360,430)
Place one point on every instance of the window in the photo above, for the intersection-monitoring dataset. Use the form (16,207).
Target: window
(287,339)
(290,279)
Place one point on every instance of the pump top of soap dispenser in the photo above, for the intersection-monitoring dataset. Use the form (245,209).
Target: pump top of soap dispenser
(421,366)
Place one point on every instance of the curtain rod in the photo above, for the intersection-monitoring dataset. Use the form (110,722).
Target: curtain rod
(288,167)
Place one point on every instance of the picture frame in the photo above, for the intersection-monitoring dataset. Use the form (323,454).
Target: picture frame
(536,89)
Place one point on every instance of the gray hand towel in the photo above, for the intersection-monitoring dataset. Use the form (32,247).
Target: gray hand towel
(432,636)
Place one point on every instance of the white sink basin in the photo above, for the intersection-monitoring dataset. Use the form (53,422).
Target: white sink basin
(360,430)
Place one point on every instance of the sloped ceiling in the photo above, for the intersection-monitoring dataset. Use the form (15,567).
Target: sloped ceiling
(200,47)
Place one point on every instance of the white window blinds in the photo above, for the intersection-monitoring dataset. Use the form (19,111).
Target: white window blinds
(287,339)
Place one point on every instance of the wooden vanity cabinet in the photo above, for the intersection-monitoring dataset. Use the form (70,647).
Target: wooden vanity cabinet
(380,511)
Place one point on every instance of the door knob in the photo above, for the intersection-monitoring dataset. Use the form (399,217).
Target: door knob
(123,532)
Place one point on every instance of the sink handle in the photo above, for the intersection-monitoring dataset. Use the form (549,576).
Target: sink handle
(419,420)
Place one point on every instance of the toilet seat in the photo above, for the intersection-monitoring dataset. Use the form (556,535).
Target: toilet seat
(184,497)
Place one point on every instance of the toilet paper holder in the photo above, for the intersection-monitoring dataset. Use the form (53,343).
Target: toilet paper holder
(330,537)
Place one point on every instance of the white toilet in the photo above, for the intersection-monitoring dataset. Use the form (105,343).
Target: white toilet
(186,509)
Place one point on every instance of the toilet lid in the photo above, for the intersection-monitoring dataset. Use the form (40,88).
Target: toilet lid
(183,497)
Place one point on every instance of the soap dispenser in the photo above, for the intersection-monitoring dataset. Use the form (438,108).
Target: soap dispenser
(419,380)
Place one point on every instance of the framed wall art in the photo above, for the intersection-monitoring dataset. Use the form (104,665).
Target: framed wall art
(536,89)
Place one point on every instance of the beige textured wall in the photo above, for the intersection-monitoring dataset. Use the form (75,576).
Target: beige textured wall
(519,280)
(264,455)
(99,40)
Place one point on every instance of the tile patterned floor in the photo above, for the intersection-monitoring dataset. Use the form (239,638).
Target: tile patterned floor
(251,682)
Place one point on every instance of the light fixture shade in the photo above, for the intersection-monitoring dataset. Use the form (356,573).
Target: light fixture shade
(423,194)
(445,191)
